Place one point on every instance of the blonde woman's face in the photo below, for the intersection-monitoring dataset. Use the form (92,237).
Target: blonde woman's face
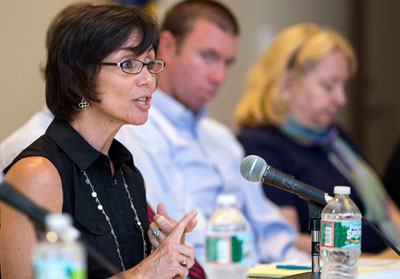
(316,97)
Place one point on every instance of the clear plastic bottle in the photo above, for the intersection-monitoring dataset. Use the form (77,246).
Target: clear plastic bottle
(340,236)
(58,254)
(228,236)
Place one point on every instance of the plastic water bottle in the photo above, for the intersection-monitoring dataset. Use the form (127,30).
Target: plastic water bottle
(58,254)
(228,236)
(340,236)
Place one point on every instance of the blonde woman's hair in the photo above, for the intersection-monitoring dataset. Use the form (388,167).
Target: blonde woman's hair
(298,49)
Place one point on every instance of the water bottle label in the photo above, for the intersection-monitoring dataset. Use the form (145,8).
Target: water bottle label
(55,268)
(341,234)
(228,248)
(51,269)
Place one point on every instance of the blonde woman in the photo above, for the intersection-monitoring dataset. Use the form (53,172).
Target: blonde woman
(287,117)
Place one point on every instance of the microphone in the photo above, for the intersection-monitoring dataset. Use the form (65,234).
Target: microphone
(16,199)
(254,168)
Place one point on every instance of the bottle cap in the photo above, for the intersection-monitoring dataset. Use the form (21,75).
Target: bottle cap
(226,200)
(344,190)
(58,222)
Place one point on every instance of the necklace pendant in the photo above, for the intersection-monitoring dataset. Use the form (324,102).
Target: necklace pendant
(100,207)
(87,181)
(94,194)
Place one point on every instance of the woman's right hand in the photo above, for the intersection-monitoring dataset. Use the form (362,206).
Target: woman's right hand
(163,224)
(170,260)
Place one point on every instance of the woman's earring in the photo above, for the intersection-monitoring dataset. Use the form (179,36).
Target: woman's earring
(83,104)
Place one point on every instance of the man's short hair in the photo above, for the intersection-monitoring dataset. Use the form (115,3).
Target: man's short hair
(180,19)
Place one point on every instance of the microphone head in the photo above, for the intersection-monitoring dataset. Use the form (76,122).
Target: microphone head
(252,168)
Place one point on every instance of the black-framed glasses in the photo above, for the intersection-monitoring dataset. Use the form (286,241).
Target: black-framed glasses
(134,66)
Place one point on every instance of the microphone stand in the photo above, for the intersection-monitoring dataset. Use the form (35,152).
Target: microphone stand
(314,215)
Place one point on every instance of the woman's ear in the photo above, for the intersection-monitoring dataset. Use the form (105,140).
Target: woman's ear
(287,84)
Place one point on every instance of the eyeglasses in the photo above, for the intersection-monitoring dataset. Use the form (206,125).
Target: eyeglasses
(133,66)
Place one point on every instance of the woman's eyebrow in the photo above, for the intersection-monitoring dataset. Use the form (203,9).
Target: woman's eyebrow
(132,49)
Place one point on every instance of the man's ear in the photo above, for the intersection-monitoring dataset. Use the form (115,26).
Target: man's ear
(167,46)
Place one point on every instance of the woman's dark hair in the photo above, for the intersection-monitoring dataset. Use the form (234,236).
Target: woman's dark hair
(80,42)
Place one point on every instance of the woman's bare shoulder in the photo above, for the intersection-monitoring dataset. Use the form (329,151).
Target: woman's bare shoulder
(38,179)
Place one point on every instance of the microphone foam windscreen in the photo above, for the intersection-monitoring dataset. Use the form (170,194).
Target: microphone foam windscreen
(252,168)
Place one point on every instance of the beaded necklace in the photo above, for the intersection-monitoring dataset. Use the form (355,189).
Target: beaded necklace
(100,208)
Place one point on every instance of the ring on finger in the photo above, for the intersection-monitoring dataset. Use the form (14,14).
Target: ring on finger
(156,233)
(184,261)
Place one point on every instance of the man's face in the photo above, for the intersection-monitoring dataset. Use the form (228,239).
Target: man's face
(199,65)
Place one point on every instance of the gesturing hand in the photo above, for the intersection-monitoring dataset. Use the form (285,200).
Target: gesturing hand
(162,226)
(171,259)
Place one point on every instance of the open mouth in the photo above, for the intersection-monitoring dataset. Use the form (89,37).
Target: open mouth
(142,100)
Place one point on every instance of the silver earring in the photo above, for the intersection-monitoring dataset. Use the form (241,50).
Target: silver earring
(83,104)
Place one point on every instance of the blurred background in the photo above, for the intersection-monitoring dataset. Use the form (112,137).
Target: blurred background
(372,116)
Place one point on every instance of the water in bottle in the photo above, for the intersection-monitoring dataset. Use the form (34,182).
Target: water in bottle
(58,254)
(228,236)
(340,236)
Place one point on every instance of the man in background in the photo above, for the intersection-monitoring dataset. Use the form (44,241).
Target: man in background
(188,159)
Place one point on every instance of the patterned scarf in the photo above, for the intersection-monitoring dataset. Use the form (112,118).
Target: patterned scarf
(353,167)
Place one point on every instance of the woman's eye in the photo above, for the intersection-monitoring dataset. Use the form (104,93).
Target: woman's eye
(126,64)
(327,87)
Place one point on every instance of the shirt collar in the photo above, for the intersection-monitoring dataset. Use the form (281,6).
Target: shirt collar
(79,150)
(176,112)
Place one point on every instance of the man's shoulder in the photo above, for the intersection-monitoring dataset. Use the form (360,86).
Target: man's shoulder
(24,136)
(146,136)
(212,124)
(217,133)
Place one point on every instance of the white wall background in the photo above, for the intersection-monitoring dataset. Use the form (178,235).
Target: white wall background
(23,25)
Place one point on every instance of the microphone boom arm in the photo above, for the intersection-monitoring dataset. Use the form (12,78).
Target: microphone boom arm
(277,178)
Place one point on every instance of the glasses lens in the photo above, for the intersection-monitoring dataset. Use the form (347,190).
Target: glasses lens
(131,66)
(155,66)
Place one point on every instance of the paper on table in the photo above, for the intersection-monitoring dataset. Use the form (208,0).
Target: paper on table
(365,265)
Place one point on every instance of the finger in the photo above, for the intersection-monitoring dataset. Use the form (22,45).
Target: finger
(180,250)
(155,228)
(182,266)
(186,262)
(158,231)
(154,240)
(182,272)
(189,228)
(161,210)
(180,227)
(163,223)
(192,224)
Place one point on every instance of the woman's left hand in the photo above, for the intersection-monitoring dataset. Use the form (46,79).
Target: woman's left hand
(162,226)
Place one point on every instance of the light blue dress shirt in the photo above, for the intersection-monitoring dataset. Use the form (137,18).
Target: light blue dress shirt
(187,160)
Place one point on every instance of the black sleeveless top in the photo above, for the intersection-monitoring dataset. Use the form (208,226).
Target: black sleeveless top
(71,154)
